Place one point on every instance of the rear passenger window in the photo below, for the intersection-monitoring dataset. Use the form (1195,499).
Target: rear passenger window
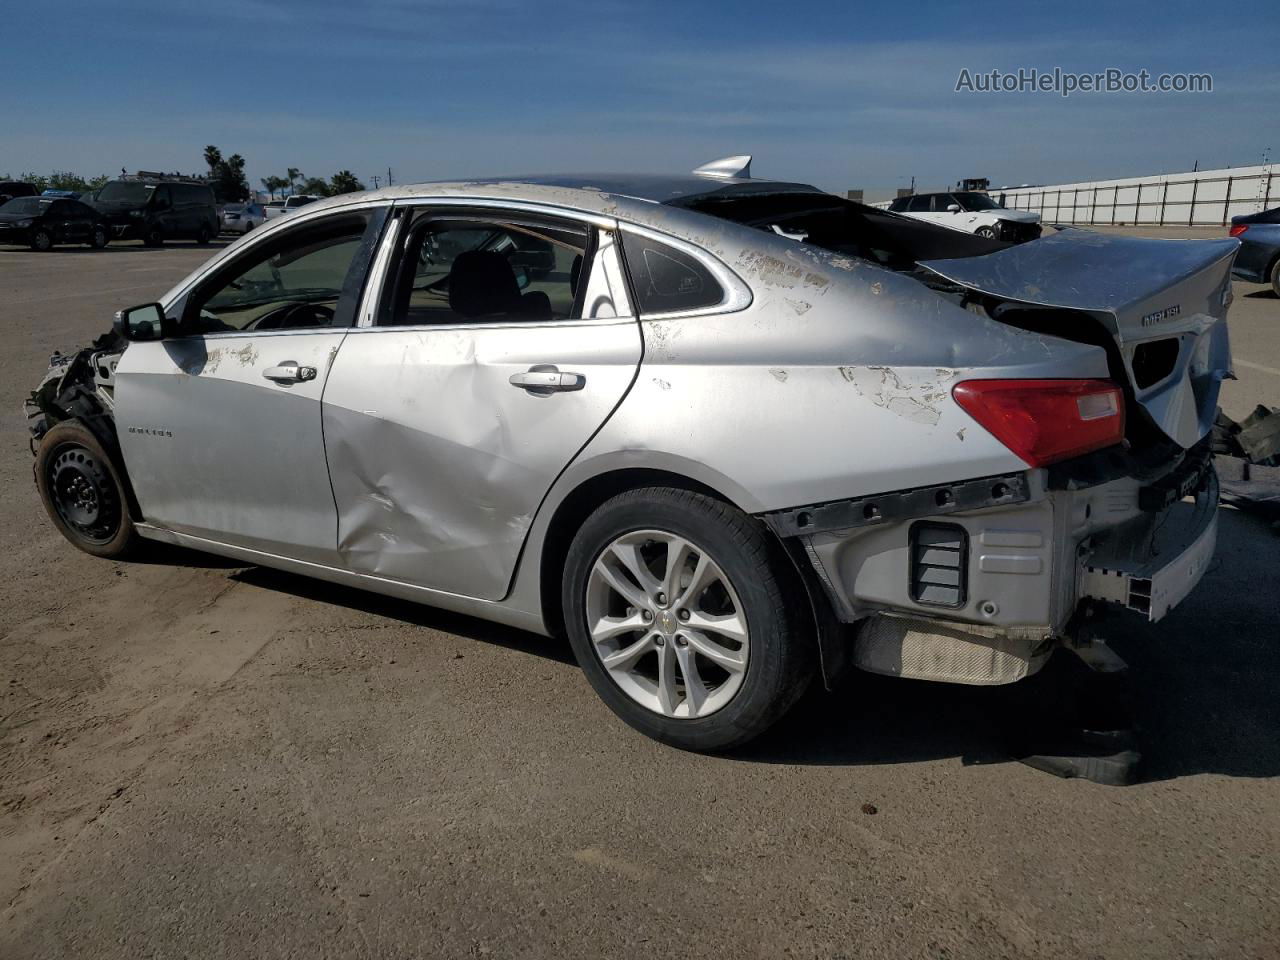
(667,280)
(488,271)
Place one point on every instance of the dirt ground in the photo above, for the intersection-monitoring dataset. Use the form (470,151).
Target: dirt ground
(200,759)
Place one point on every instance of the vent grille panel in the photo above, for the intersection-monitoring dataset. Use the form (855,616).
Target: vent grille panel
(939,564)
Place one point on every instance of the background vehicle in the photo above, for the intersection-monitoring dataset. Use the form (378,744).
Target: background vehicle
(154,211)
(972,212)
(44,222)
(16,188)
(276,208)
(380,391)
(1259,258)
(241,217)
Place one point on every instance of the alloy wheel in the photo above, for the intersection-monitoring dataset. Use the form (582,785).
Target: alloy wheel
(667,624)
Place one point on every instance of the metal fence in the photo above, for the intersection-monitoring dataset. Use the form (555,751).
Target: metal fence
(1206,197)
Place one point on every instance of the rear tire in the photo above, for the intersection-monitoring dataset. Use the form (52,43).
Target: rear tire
(83,493)
(42,240)
(204,236)
(1275,277)
(724,656)
(99,239)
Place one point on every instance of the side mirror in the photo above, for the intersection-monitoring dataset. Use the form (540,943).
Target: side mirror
(144,322)
(953,208)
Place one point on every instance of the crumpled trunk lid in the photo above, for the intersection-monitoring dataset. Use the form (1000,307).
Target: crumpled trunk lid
(1164,302)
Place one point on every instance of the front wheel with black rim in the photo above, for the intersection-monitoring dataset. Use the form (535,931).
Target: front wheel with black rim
(686,618)
(83,492)
(153,237)
(99,238)
(42,240)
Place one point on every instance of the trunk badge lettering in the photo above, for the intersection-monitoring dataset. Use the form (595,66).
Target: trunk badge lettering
(1159,316)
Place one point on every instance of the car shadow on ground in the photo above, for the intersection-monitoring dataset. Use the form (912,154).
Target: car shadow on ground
(1263,295)
(417,614)
(1203,682)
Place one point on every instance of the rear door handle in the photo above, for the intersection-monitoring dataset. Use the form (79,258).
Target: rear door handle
(547,381)
(289,372)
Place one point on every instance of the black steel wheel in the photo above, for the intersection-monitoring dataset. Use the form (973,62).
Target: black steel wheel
(83,492)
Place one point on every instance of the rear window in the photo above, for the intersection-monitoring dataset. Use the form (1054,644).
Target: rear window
(27,205)
(667,280)
(123,191)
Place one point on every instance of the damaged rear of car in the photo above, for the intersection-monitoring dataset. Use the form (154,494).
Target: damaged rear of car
(726,434)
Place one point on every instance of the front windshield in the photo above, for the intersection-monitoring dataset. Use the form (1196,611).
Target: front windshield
(977,201)
(120,191)
(28,206)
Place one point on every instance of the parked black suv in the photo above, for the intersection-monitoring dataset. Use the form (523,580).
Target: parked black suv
(16,188)
(154,211)
(42,222)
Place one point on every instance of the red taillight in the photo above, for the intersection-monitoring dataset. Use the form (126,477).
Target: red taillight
(1238,229)
(1044,421)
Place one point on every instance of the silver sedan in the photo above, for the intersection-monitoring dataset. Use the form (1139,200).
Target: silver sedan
(727,434)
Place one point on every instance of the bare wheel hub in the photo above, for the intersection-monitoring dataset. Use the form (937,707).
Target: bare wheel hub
(667,624)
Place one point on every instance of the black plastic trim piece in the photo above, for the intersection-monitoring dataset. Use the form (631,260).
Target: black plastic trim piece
(910,504)
(916,584)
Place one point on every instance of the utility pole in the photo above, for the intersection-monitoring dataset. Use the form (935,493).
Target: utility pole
(390,182)
(374,178)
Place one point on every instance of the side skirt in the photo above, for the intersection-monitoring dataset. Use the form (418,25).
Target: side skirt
(494,610)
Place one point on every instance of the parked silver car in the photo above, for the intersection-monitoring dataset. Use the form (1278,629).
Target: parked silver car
(241,217)
(727,434)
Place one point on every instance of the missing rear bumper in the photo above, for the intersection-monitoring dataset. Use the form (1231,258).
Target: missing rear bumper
(1149,568)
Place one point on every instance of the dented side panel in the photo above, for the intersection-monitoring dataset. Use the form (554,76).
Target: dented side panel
(439,463)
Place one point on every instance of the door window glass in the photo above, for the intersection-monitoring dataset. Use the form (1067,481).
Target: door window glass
(295,283)
(487,271)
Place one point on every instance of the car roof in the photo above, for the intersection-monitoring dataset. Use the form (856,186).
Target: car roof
(638,197)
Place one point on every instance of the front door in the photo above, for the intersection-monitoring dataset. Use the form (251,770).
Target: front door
(503,342)
(220,425)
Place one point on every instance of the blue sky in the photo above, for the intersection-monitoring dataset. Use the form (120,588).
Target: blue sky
(832,93)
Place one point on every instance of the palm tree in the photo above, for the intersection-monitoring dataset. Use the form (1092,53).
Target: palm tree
(272,184)
(294,174)
(344,181)
(213,157)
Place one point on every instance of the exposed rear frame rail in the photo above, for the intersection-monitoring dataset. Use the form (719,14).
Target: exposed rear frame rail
(899,505)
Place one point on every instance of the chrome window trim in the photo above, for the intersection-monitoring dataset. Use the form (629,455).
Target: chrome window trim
(497,325)
(522,206)
(737,295)
(606,257)
(367,312)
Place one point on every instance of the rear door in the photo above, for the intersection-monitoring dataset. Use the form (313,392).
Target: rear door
(502,342)
(220,425)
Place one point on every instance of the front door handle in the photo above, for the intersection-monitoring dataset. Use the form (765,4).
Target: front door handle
(549,380)
(289,372)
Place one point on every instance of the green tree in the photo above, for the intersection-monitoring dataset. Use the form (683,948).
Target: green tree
(314,187)
(344,181)
(35,179)
(226,176)
(293,173)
